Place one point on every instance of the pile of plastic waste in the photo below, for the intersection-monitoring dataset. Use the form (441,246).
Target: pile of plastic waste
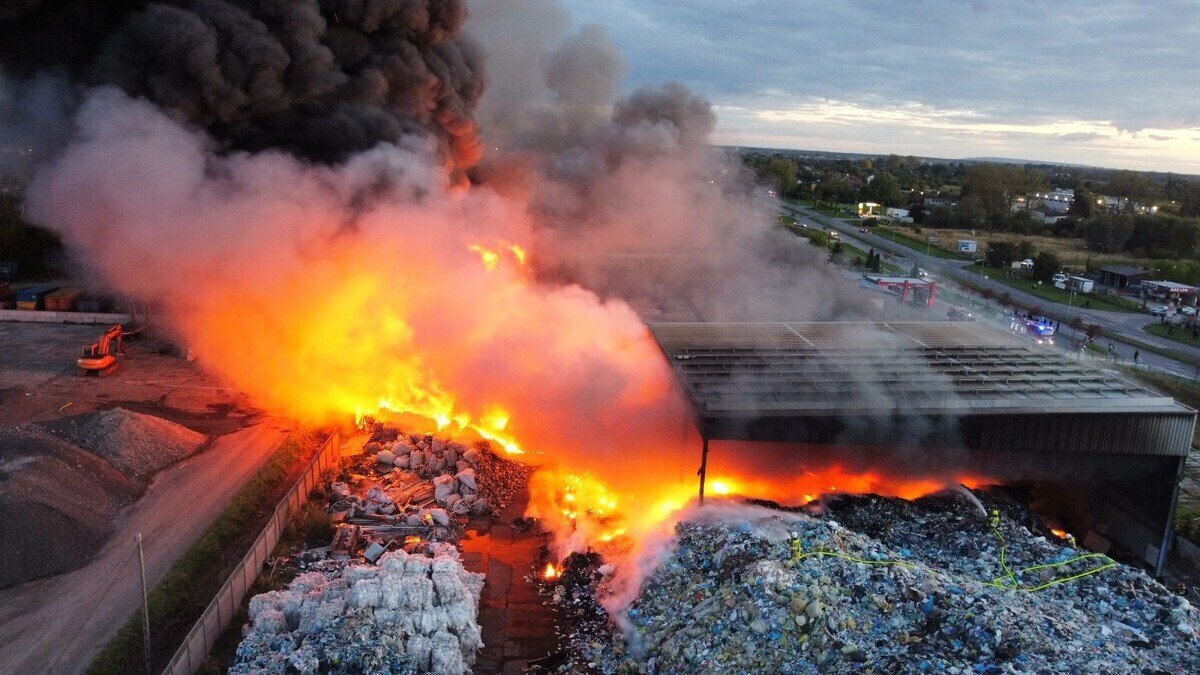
(409,613)
(945,585)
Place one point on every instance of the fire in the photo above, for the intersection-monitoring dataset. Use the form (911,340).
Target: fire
(585,513)
(551,572)
(320,305)
(491,257)
(518,253)
(1061,534)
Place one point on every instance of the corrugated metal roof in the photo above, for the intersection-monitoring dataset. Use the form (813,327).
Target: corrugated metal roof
(740,372)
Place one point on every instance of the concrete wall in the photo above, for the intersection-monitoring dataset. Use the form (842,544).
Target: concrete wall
(32,316)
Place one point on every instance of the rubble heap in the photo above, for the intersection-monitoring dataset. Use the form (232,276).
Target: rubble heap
(407,489)
(768,591)
(410,613)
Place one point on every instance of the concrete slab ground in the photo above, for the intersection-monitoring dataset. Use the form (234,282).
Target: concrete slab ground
(516,626)
(38,380)
(57,624)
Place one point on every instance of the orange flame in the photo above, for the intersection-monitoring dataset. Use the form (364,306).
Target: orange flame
(491,257)
(551,572)
(585,513)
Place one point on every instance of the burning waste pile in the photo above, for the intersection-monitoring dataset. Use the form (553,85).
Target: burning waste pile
(875,585)
(405,486)
(390,594)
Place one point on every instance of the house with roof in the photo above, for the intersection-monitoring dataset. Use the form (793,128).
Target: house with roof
(1121,276)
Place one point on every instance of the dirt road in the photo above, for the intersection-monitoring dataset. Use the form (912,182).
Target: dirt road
(58,624)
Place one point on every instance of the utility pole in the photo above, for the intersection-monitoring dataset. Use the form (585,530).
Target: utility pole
(145,602)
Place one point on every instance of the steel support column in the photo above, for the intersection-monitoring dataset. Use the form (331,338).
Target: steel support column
(703,467)
(1169,527)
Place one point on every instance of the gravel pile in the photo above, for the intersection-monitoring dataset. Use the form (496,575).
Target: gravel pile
(58,504)
(886,586)
(137,444)
(411,613)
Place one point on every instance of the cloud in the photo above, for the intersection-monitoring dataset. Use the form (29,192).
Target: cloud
(1115,63)
(1079,136)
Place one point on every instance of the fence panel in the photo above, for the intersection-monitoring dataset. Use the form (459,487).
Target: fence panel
(221,609)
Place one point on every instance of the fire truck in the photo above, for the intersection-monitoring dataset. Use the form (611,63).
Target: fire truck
(1038,330)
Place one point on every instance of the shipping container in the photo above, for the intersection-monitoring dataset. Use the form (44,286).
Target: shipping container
(34,297)
(63,300)
(90,304)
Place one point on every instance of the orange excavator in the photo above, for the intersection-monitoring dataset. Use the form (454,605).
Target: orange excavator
(97,358)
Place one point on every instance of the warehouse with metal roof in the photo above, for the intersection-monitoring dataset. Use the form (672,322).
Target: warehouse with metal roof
(957,385)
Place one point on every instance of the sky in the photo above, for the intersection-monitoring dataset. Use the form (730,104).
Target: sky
(1096,82)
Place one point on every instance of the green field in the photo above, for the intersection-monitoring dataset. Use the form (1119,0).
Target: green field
(892,234)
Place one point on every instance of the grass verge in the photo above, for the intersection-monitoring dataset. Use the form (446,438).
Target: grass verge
(1052,293)
(1176,333)
(915,244)
(187,588)
(308,528)
(819,237)
(1183,390)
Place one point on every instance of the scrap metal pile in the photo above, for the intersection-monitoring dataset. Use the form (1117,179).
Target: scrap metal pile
(878,585)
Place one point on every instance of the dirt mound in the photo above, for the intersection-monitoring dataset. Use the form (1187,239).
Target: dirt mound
(135,443)
(58,503)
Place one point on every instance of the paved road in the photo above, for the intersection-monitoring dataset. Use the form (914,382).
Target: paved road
(58,624)
(1122,325)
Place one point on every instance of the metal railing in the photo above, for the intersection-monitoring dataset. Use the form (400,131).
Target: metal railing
(220,611)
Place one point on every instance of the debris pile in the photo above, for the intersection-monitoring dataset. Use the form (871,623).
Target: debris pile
(926,586)
(135,443)
(409,613)
(406,490)
(389,594)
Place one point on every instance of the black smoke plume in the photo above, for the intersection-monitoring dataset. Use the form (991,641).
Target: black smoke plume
(322,79)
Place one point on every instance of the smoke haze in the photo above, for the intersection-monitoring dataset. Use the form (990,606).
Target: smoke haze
(301,188)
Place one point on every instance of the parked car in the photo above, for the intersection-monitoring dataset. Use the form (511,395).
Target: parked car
(1158,310)
(959,314)
(1189,311)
